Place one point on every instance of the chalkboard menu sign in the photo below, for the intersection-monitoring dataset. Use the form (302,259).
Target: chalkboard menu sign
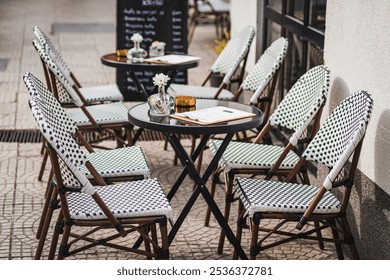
(155,20)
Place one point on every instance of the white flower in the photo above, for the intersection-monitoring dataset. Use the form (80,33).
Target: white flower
(160,79)
(136,37)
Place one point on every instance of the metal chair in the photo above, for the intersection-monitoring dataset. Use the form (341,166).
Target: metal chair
(134,207)
(300,112)
(339,137)
(226,64)
(95,94)
(121,164)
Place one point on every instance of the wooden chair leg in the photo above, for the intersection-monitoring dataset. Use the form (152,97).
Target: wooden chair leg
(319,236)
(57,231)
(63,250)
(45,221)
(43,165)
(349,238)
(165,144)
(254,248)
(240,222)
(145,231)
(153,232)
(339,249)
(228,201)
(164,253)
(43,147)
(49,203)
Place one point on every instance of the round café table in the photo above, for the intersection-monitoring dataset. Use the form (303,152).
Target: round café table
(121,62)
(171,128)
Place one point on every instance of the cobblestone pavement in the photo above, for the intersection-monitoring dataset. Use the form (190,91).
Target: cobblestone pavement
(21,195)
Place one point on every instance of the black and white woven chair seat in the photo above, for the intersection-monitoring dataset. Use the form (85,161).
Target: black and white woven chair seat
(273,196)
(101,93)
(101,113)
(198,92)
(127,200)
(128,161)
(241,155)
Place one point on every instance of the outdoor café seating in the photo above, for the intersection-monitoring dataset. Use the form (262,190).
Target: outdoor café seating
(94,94)
(312,208)
(132,207)
(121,164)
(300,112)
(104,121)
(262,79)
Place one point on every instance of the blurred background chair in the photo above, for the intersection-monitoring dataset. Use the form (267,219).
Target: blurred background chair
(216,12)
(300,112)
(121,164)
(134,207)
(95,94)
(339,137)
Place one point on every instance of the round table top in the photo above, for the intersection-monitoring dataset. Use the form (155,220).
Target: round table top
(121,62)
(139,116)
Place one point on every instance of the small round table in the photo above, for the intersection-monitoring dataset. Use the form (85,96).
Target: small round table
(121,62)
(170,127)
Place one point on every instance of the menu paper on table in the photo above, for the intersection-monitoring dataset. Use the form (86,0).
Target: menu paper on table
(172,59)
(212,115)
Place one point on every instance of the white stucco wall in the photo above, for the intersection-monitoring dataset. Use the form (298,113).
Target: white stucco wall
(357,51)
(243,13)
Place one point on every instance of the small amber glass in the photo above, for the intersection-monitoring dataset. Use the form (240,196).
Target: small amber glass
(185,101)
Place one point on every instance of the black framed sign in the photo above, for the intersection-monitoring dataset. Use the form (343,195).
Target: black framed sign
(155,20)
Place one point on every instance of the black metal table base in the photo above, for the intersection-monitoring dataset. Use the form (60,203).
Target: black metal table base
(200,181)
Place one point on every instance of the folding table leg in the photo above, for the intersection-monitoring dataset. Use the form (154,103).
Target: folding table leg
(201,188)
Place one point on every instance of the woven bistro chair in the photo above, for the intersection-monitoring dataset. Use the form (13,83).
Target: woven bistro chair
(127,163)
(339,137)
(262,78)
(300,112)
(131,207)
(103,121)
(95,94)
(261,81)
(226,64)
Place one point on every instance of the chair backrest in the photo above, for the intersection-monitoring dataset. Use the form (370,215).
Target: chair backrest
(302,102)
(340,134)
(66,92)
(71,157)
(53,52)
(265,68)
(49,105)
(234,53)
